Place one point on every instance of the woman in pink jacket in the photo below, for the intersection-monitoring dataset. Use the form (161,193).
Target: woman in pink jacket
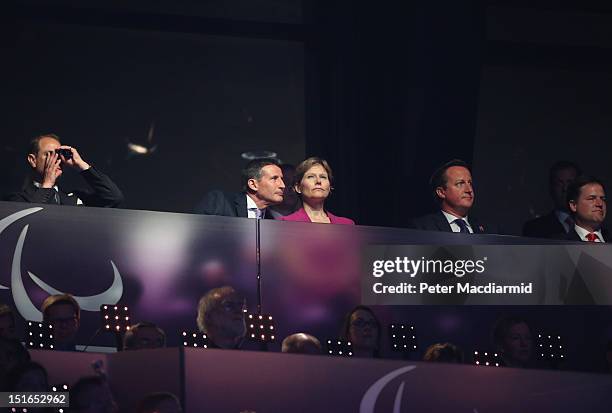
(313,184)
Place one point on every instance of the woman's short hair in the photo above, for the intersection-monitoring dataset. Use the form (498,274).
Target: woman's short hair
(346,326)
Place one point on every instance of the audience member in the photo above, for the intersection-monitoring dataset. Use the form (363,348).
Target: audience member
(144,335)
(28,377)
(7,322)
(290,199)
(64,314)
(513,341)
(159,403)
(363,330)
(453,191)
(301,343)
(47,158)
(559,220)
(221,315)
(92,394)
(12,353)
(586,199)
(263,186)
(444,353)
(313,184)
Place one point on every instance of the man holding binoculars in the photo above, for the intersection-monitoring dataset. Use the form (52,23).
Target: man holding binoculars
(47,157)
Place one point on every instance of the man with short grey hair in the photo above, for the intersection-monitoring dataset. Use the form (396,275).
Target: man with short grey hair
(221,315)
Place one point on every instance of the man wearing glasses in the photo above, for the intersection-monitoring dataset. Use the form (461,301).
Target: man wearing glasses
(64,314)
(221,315)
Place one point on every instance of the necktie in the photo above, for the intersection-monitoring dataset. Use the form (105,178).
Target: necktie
(463,228)
(56,197)
(592,237)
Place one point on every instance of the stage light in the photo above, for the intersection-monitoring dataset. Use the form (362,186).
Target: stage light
(335,347)
(115,318)
(486,358)
(402,338)
(39,335)
(196,340)
(260,328)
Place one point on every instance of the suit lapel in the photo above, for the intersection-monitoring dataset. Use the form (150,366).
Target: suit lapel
(442,223)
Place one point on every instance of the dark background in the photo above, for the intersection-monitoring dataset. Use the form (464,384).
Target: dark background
(385,91)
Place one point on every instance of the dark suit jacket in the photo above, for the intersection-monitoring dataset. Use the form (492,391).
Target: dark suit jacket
(102,193)
(546,226)
(227,204)
(438,222)
(573,235)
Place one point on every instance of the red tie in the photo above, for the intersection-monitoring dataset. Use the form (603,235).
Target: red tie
(592,237)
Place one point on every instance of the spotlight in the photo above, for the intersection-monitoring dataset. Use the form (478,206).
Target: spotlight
(115,318)
(486,358)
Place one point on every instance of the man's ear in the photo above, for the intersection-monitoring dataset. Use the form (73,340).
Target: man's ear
(252,184)
(440,192)
(572,206)
(32,160)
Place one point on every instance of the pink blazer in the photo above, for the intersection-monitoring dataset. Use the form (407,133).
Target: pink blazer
(301,216)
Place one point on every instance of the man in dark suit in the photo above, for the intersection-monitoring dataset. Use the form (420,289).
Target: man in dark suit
(559,220)
(47,158)
(263,186)
(586,198)
(453,190)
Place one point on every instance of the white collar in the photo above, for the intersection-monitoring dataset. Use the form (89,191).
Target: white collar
(451,218)
(582,233)
(252,208)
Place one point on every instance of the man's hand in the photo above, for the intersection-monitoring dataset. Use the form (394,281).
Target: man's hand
(52,170)
(76,161)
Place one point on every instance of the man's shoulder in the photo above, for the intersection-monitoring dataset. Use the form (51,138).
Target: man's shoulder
(431,222)
(217,202)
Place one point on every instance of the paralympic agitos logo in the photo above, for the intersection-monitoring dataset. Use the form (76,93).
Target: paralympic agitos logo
(22,301)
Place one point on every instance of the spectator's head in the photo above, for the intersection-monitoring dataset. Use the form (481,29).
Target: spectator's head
(92,395)
(64,313)
(159,403)
(444,353)
(313,180)
(27,377)
(39,148)
(143,336)
(263,180)
(560,176)
(363,330)
(513,340)
(221,315)
(7,322)
(586,199)
(452,187)
(301,343)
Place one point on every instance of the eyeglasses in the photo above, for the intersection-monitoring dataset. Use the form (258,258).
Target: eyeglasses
(361,323)
(63,320)
(233,306)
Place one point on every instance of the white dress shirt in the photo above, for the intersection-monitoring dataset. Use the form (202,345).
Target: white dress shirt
(454,227)
(582,233)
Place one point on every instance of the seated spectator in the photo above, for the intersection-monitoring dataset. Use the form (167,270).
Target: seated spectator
(47,159)
(313,184)
(28,377)
(12,353)
(513,341)
(290,199)
(558,222)
(159,403)
(7,322)
(144,335)
(362,329)
(586,199)
(64,314)
(444,353)
(221,315)
(92,395)
(301,343)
